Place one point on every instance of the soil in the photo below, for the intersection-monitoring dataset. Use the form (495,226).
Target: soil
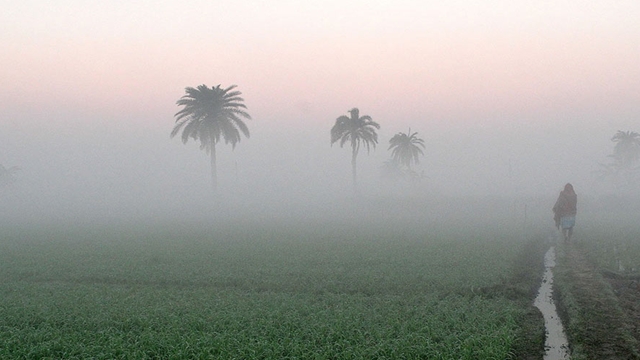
(601,313)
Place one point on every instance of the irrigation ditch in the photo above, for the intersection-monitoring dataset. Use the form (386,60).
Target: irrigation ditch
(556,344)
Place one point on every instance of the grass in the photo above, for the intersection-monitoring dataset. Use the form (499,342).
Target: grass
(614,247)
(596,324)
(260,292)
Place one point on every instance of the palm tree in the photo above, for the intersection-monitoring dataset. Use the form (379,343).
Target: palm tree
(626,153)
(358,130)
(209,114)
(407,148)
(627,149)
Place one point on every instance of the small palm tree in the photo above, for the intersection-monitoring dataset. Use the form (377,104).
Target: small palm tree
(357,130)
(626,153)
(211,114)
(627,149)
(407,148)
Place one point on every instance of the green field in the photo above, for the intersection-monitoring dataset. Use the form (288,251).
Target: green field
(612,240)
(262,291)
(596,286)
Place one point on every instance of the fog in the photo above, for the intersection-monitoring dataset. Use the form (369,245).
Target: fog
(83,169)
(513,100)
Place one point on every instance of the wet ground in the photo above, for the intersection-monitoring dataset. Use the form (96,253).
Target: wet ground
(556,344)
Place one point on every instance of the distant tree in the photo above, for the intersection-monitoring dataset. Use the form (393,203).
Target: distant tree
(407,148)
(357,130)
(626,152)
(211,114)
(7,175)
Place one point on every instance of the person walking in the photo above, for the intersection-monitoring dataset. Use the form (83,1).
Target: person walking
(565,210)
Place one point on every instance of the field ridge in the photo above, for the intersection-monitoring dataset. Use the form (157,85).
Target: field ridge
(596,325)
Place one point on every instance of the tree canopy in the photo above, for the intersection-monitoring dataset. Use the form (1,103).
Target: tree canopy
(406,148)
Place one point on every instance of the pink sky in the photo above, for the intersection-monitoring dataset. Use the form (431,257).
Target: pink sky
(405,59)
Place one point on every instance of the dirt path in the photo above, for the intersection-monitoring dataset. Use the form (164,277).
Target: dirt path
(596,324)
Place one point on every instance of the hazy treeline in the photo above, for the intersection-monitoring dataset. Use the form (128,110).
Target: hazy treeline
(102,170)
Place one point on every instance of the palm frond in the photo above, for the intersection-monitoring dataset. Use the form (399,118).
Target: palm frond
(209,114)
(406,148)
(626,151)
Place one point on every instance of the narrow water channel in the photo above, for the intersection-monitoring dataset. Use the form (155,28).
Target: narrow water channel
(556,341)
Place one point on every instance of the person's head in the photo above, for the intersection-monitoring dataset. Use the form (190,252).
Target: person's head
(568,188)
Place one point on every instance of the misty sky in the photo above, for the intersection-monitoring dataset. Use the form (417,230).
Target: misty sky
(509,96)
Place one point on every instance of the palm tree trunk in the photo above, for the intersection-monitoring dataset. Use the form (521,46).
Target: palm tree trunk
(354,153)
(214,171)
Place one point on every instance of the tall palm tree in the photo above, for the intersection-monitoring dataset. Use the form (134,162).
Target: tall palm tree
(358,130)
(627,149)
(209,114)
(407,148)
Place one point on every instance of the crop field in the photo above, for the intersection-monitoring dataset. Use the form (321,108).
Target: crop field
(597,286)
(250,291)
(613,241)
